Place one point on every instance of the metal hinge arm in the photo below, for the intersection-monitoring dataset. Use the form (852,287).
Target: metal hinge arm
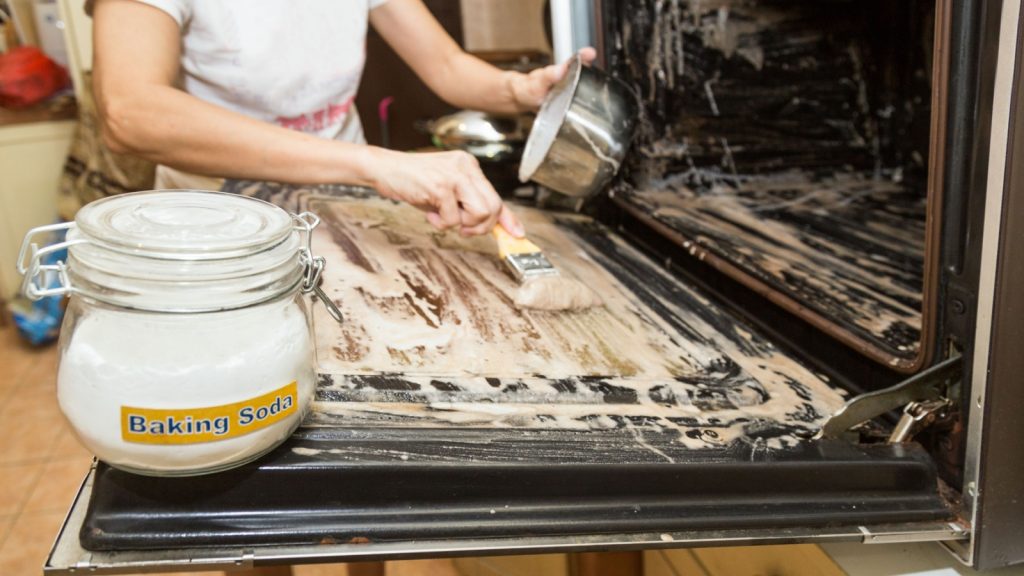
(931,384)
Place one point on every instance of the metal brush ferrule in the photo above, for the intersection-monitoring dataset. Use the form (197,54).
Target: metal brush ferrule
(531,265)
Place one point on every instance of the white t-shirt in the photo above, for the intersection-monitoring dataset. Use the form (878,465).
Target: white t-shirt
(295,64)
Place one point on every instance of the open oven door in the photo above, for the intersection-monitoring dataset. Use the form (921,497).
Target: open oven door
(448,422)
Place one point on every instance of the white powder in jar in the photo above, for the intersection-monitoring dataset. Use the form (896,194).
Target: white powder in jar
(115,357)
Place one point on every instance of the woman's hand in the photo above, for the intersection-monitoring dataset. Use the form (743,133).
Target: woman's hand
(529,90)
(448,186)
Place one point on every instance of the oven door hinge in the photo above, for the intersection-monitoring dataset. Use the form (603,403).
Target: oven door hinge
(916,417)
(924,394)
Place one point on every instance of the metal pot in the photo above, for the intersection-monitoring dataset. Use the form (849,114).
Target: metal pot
(482,135)
(581,133)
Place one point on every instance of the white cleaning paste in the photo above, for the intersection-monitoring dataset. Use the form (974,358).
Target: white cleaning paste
(186,375)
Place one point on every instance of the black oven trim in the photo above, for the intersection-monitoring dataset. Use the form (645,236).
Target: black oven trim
(455,488)
(974,44)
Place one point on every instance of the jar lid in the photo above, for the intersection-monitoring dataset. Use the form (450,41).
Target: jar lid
(184,251)
(184,224)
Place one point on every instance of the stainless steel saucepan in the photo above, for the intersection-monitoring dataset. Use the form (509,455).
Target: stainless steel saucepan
(487,137)
(582,132)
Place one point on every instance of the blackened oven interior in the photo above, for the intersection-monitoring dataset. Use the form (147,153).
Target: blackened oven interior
(787,143)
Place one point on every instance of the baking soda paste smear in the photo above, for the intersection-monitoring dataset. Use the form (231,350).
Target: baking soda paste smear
(186,346)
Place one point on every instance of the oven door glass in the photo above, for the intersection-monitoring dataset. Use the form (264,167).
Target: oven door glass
(798,149)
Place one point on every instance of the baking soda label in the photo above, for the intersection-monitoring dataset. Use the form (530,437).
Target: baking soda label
(207,424)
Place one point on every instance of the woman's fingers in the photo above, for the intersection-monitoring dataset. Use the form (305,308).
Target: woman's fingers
(447,208)
(508,221)
(472,209)
(449,187)
(485,204)
(557,71)
(478,202)
(587,54)
(538,83)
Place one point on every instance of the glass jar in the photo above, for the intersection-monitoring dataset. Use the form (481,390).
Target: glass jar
(186,347)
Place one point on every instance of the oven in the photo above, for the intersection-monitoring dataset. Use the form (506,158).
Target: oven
(811,327)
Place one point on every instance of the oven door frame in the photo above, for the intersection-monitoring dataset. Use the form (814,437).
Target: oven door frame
(993,500)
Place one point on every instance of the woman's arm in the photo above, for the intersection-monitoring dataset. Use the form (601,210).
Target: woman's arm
(136,64)
(458,78)
(137,50)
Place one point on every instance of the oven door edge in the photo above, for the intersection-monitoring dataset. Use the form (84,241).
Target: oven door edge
(68,557)
(992,501)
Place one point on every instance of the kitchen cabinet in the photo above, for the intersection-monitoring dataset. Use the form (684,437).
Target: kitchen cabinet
(791,560)
(31,158)
(529,565)
(32,153)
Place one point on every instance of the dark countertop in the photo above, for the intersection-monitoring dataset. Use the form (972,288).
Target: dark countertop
(60,108)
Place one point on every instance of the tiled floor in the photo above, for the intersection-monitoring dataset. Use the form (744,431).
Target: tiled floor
(42,465)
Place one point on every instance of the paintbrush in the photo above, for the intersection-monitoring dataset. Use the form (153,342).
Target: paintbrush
(523,258)
(541,285)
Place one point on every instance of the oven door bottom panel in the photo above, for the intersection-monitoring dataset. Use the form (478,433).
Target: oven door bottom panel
(488,484)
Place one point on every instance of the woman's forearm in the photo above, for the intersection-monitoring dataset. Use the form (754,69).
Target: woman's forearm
(461,79)
(136,63)
(168,126)
(468,82)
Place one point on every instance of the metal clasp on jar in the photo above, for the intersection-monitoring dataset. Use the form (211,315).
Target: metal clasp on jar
(314,265)
(36,276)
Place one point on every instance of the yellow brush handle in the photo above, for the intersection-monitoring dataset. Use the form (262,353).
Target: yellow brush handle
(509,244)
